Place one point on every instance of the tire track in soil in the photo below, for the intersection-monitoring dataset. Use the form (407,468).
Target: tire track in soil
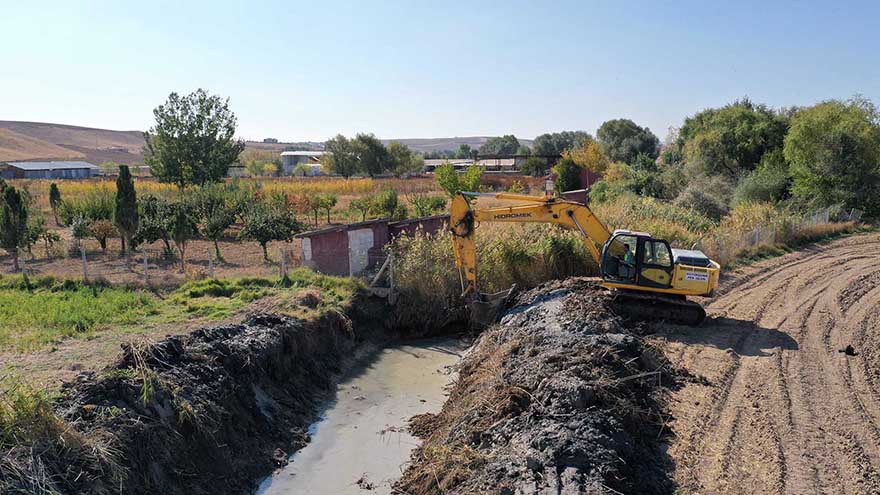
(783,411)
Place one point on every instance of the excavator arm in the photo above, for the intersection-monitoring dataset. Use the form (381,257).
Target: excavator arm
(537,209)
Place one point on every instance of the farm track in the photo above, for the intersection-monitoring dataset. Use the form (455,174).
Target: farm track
(782,411)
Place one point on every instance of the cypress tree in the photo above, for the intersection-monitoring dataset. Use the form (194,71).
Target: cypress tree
(54,200)
(13,223)
(125,215)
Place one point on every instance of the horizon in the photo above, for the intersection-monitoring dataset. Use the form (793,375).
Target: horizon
(404,71)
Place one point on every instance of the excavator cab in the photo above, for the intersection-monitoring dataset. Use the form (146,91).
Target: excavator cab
(636,258)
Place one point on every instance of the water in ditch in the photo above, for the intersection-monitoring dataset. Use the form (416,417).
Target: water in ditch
(360,442)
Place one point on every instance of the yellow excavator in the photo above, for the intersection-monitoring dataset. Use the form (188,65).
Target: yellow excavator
(651,279)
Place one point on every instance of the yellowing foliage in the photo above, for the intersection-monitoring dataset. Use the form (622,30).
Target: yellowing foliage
(589,156)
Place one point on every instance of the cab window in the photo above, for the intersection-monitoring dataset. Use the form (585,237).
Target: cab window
(657,253)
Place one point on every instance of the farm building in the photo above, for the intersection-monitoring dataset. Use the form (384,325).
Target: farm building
(311,159)
(48,170)
(358,247)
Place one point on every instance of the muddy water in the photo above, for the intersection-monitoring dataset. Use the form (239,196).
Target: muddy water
(360,444)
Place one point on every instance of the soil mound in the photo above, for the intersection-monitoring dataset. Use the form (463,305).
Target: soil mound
(207,412)
(560,397)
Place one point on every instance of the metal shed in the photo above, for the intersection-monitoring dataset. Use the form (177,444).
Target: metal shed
(48,170)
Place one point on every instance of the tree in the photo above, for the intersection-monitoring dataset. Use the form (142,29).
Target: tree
(182,228)
(464,151)
(125,215)
(770,182)
(534,166)
(13,223)
(372,154)
(452,182)
(834,152)
(568,175)
(523,150)
(402,160)
(385,203)
(553,144)
(730,140)
(588,155)
(54,200)
(264,224)
(193,140)
(504,145)
(326,202)
(341,157)
(363,206)
(215,214)
(154,222)
(622,141)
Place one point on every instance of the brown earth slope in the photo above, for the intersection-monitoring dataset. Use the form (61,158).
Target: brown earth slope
(783,411)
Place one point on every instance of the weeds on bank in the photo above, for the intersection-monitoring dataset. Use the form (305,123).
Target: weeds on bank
(38,311)
(32,437)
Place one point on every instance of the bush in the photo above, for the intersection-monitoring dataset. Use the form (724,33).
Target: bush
(102,230)
(525,255)
(707,195)
(96,204)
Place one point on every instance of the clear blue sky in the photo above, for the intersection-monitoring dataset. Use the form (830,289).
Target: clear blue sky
(308,70)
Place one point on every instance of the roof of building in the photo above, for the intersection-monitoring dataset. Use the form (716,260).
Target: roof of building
(303,153)
(52,165)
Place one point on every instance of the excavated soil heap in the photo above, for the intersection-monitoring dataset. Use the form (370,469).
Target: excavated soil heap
(206,412)
(559,397)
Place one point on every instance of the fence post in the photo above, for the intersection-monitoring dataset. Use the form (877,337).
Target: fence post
(283,254)
(82,251)
(211,262)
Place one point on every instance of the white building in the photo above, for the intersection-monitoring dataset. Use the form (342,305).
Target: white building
(311,159)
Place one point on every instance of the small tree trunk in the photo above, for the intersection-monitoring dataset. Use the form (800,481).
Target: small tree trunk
(127,253)
(217,251)
(14,253)
(103,243)
(122,248)
(265,252)
(316,218)
(328,217)
(182,249)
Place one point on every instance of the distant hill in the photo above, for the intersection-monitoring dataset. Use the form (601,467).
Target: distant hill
(43,141)
(23,141)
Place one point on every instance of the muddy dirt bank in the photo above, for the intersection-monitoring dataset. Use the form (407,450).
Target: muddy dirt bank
(207,412)
(560,397)
(361,441)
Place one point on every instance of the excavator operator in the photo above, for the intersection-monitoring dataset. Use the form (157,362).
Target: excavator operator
(628,267)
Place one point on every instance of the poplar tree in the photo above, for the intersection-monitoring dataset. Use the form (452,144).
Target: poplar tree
(125,216)
(13,223)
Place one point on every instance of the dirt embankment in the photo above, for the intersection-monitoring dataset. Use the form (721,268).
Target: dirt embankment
(206,412)
(560,397)
(783,410)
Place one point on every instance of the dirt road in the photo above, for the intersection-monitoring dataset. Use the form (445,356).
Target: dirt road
(781,410)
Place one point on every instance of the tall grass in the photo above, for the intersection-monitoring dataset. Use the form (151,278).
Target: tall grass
(35,442)
(525,255)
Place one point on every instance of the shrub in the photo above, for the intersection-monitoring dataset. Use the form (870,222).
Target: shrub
(426,205)
(96,204)
(102,230)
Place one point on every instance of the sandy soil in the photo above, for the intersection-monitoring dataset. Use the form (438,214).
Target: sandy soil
(781,410)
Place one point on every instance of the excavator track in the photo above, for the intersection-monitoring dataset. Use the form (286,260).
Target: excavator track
(645,306)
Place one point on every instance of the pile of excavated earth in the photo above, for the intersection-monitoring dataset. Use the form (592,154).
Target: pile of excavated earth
(562,396)
(207,412)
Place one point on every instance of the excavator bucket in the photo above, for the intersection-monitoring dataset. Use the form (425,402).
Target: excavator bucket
(486,308)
